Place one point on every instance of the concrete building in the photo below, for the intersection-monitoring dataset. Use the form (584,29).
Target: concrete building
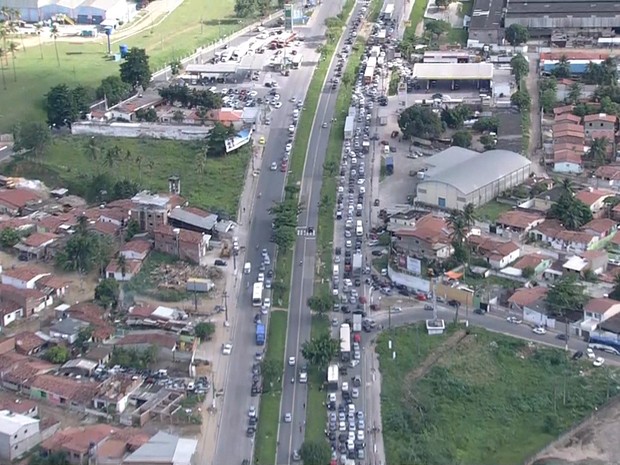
(458,176)
(97,11)
(18,434)
(186,245)
(152,210)
(485,26)
(164,449)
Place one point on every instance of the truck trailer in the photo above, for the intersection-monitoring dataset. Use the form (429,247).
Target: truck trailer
(332,377)
(260,334)
(345,342)
(357,323)
(349,127)
(357,264)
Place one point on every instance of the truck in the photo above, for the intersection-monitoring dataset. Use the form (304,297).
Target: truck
(388,12)
(349,127)
(260,334)
(332,377)
(357,323)
(345,342)
(357,264)
(389,165)
(369,74)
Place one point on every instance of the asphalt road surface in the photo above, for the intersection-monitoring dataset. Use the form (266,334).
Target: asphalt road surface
(232,445)
(294,396)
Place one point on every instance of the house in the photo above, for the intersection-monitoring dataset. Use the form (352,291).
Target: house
(498,254)
(193,219)
(595,311)
(29,343)
(56,224)
(113,396)
(567,118)
(126,110)
(136,249)
(177,115)
(187,245)
(98,443)
(18,372)
(536,262)
(32,301)
(227,116)
(19,405)
(104,228)
(93,315)
(23,277)
(153,315)
(18,434)
(608,173)
(67,329)
(164,449)
(594,199)
(53,286)
(597,260)
(404,220)
(565,110)
(12,201)
(152,210)
(529,302)
(599,121)
(165,342)
(553,233)
(518,222)
(9,312)
(567,161)
(602,228)
(36,246)
(123,273)
(64,391)
(430,239)
(99,354)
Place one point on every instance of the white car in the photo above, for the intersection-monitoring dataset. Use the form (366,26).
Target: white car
(252,93)
(291,361)
(288,418)
(276,97)
(345,387)
(514,320)
(227,348)
(291,128)
(539,330)
(261,277)
(355,393)
(213,89)
(598,362)
(590,353)
(360,435)
(288,147)
(293,99)
(267,302)
(277,105)
(252,411)
(274,166)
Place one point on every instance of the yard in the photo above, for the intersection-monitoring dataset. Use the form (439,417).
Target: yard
(480,398)
(215,186)
(492,211)
(191,25)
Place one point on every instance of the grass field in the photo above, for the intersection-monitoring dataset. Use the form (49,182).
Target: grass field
(415,18)
(269,418)
(218,187)
(316,413)
(489,399)
(492,211)
(87,63)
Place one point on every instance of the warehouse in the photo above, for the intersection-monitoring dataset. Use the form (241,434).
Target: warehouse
(80,11)
(458,176)
(544,18)
(453,76)
(97,11)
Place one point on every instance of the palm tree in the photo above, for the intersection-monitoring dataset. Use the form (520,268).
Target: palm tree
(469,215)
(567,185)
(139,161)
(598,151)
(93,149)
(112,156)
(2,53)
(121,263)
(39,28)
(54,31)
(458,226)
(13,47)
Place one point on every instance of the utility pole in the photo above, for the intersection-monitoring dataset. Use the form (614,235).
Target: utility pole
(225,303)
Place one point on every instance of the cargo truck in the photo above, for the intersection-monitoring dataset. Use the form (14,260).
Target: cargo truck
(357,323)
(349,127)
(332,378)
(260,334)
(357,264)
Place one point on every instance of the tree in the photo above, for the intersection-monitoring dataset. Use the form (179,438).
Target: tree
(562,68)
(315,452)
(486,123)
(12,48)
(528,272)
(455,117)
(135,70)
(60,106)
(571,212)
(516,34)
(437,28)
(84,337)
(566,294)
(32,136)
(419,121)
(469,215)
(121,264)
(57,354)
(461,139)
(597,155)
(133,228)
(321,350)
(271,371)
(204,330)
(321,303)
(54,458)
(521,99)
(8,237)
(574,93)
(82,99)
(107,292)
(54,32)
(216,140)
(175,67)
(147,114)
(245,8)
(548,98)
(178,116)
(113,89)
(520,67)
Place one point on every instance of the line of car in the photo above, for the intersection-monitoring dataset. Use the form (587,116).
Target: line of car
(298,103)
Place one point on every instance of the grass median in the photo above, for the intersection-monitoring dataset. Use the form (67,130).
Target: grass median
(267,430)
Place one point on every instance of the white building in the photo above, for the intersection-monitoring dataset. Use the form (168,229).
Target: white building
(80,11)
(22,277)
(458,176)
(18,434)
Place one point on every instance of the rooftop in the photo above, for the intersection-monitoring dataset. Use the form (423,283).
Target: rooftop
(11,423)
(600,225)
(449,71)
(531,261)
(520,219)
(18,198)
(601,116)
(138,246)
(194,217)
(68,326)
(600,305)
(591,196)
(146,198)
(468,171)
(25,272)
(79,391)
(38,239)
(527,296)
(28,341)
(184,235)
(166,449)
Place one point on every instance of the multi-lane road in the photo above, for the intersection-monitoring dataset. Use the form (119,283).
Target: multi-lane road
(232,444)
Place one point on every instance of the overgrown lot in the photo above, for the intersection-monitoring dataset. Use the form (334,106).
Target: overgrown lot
(489,399)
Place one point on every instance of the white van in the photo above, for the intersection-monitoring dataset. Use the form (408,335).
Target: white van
(247,268)
(336,271)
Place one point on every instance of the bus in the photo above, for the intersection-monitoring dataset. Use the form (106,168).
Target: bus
(359,229)
(345,342)
(257,295)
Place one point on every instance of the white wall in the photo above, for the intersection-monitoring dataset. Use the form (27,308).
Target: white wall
(537,318)
(154,130)
(131,255)
(566,167)
(119,276)
(412,282)
(11,317)
(19,283)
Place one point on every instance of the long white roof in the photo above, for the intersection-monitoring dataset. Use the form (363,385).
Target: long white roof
(460,71)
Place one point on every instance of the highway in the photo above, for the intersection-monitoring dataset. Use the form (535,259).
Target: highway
(294,396)
(232,444)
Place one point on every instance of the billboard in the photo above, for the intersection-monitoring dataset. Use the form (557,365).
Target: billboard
(288,17)
(414,266)
(238,141)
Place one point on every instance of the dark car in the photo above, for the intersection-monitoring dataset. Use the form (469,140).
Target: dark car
(562,337)
(250,431)
(577,355)
(219,262)
(377,253)
(454,303)
(479,311)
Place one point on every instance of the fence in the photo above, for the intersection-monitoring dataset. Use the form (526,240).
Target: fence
(154,130)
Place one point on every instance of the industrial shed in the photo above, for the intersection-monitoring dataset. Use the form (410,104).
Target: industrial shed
(458,176)
(29,10)
(547,17)
(81,11)
(97,11)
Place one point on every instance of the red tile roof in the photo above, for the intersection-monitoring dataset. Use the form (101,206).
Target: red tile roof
(16,404)
(25,272)
(81,391)
(27,341)
(131,266)
(527,296)
(590,197)
(563,110)
(139,246)
(608,172)
(52,223)
(600,117)
(18,198)
(567,117)
(519,219)
(105,227)
(52,282)
(600,225)
(567,156)
(185,235)
(599,305)
(430,228)
(530,261)
(560,126)
(78,439)
(39,239)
